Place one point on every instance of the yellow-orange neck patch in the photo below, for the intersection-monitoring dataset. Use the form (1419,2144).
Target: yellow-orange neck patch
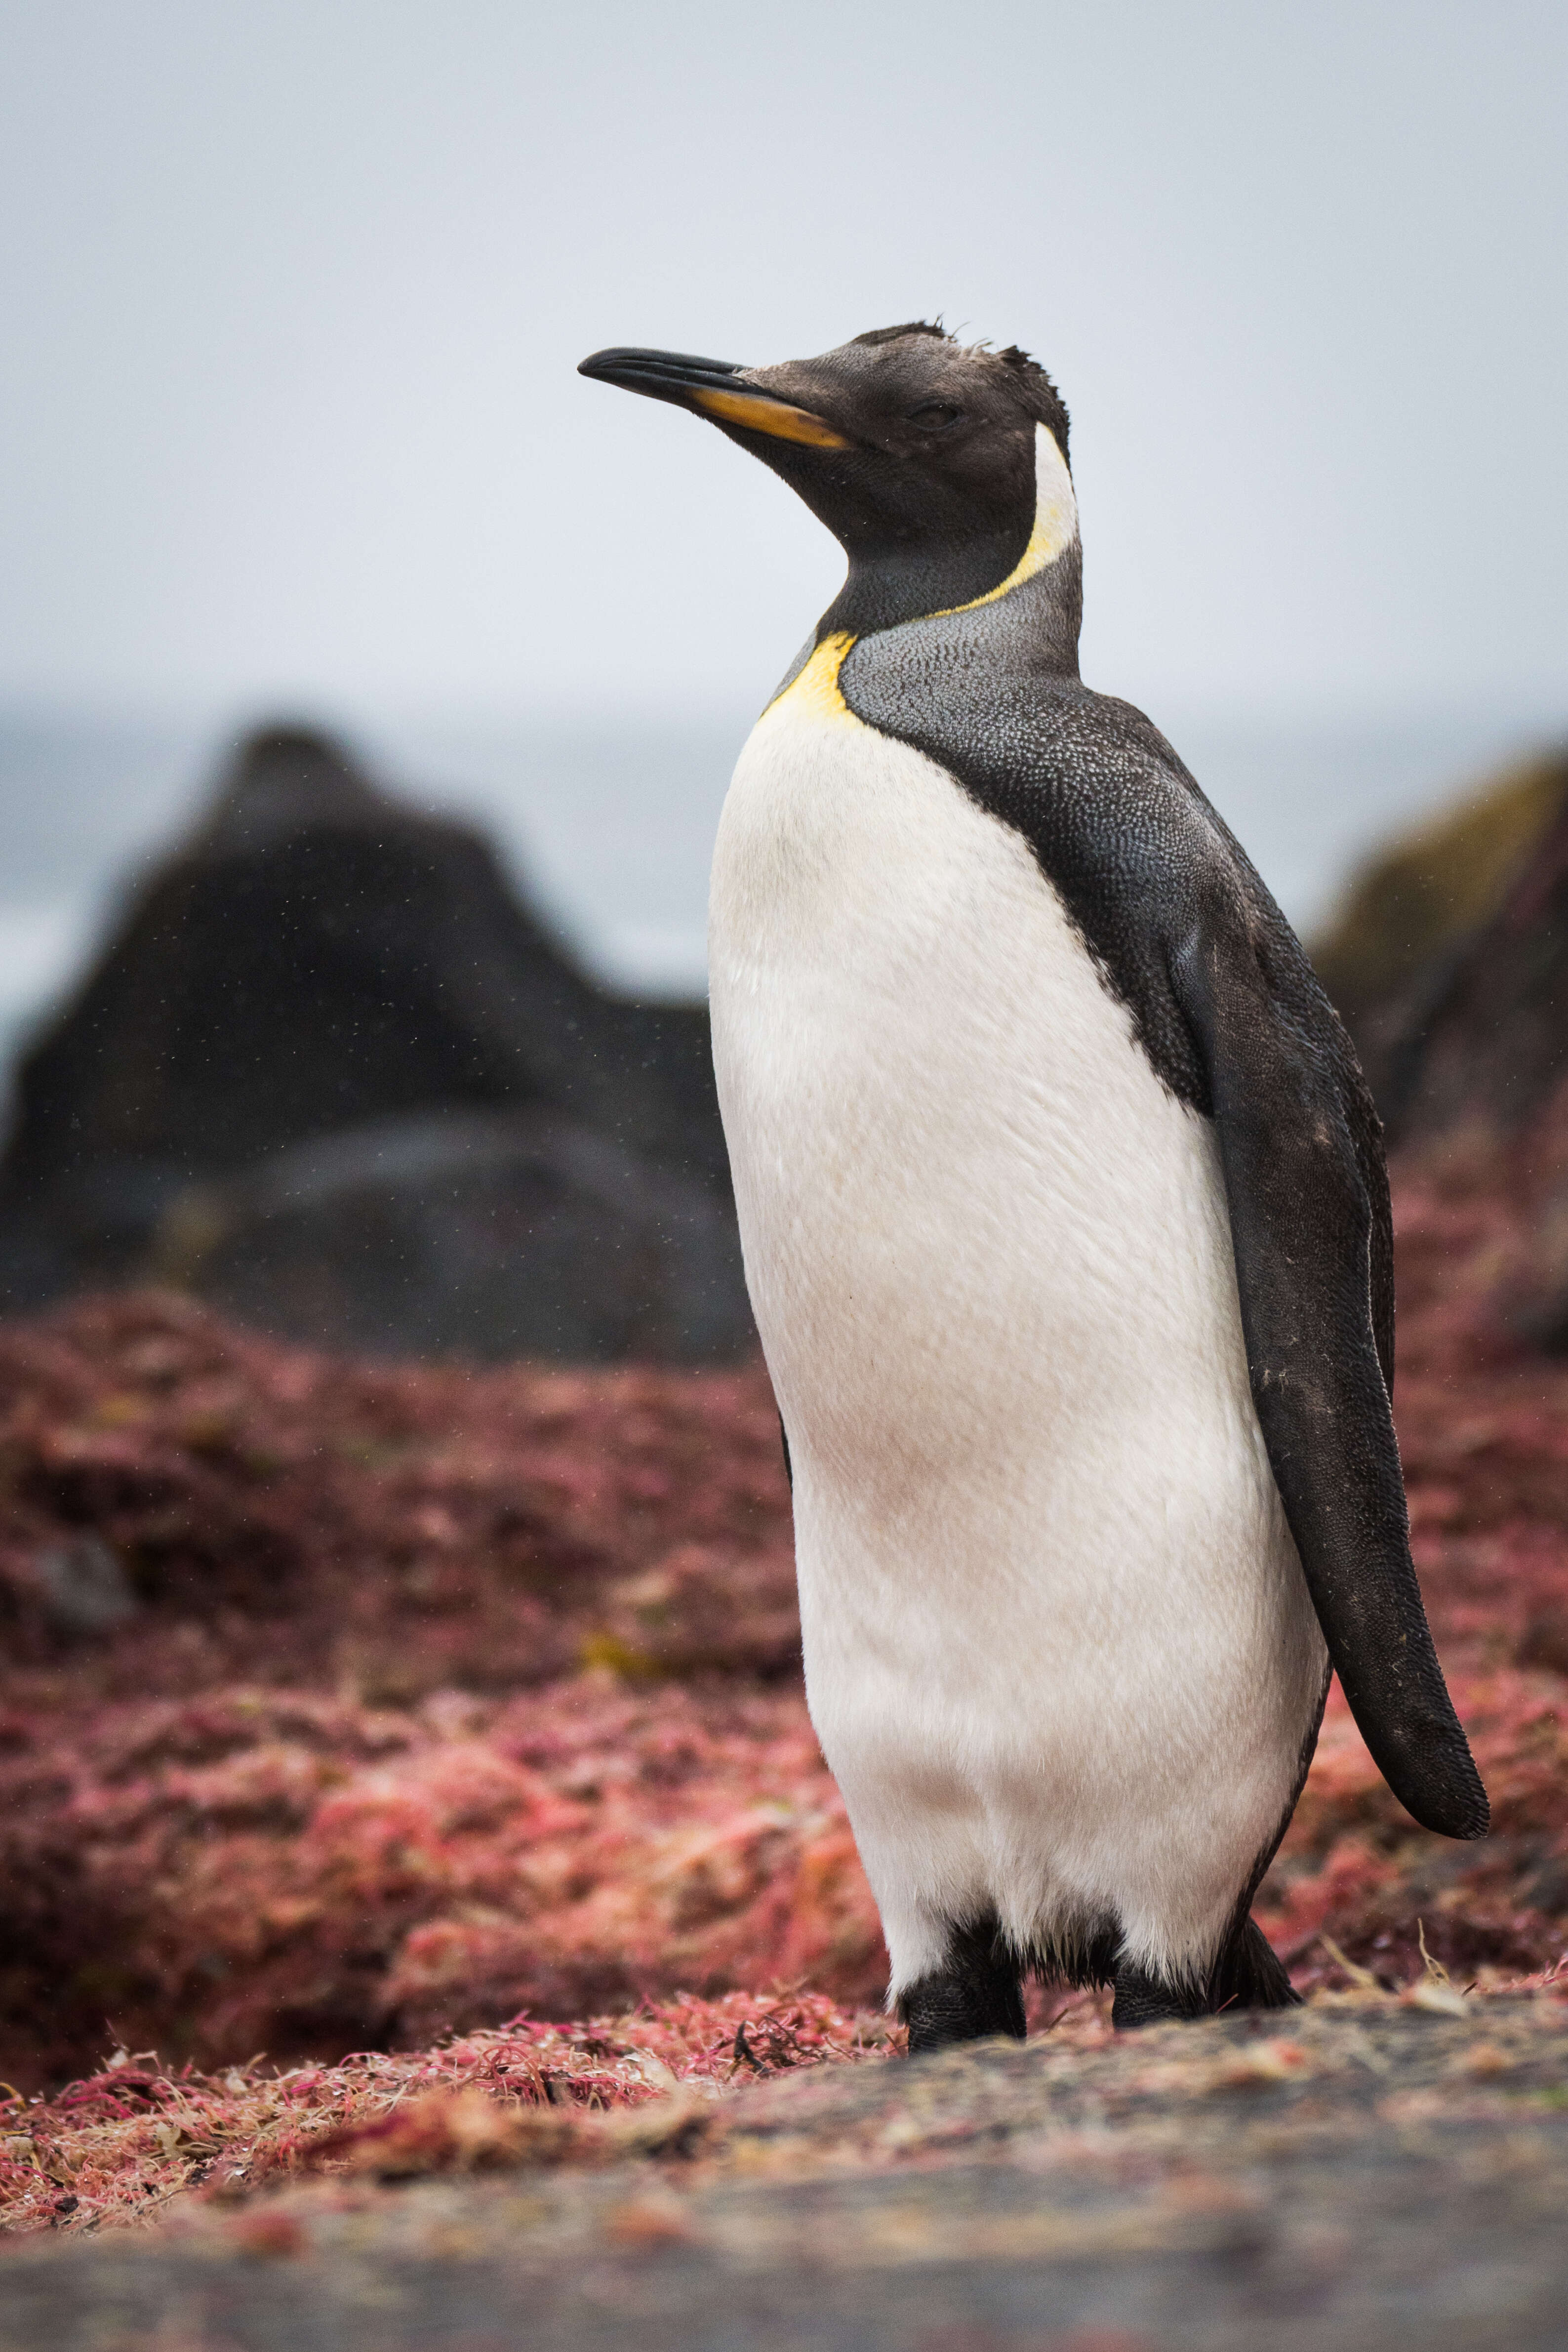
(815,692)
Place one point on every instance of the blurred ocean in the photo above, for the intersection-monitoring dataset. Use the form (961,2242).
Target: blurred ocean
(610,823)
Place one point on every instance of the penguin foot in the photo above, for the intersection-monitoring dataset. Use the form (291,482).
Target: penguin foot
(978,1990)
(1248,1975)
(1144,2000)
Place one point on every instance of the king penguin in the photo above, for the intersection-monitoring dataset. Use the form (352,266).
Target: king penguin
(1066,1227)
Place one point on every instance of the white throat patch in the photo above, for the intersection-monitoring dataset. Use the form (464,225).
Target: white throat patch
(1055,524)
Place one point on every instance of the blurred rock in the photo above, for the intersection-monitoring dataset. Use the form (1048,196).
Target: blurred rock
(331,1071)
(1448,960)
(494,1235)
(83,1587)
(1450,965)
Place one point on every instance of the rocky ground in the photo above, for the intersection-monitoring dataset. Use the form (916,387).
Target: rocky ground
(453,1718)
(1375,2172)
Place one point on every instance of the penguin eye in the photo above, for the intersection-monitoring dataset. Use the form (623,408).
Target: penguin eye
(933,415)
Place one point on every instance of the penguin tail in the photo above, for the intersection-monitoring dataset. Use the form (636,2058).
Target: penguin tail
(1249,1974)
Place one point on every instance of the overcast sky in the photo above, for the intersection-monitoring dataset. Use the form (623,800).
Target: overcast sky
(293,292)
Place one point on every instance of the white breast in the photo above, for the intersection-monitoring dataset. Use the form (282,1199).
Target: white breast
(1059,1649)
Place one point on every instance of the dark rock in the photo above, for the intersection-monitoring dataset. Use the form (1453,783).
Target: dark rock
(492,1233)
(330,1070)
(1448,960)
(1487,1043)
(83,1587)
(1449,963)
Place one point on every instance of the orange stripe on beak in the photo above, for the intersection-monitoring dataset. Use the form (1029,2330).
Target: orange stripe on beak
(774,416)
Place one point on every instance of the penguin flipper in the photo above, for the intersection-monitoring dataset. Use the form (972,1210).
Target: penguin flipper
(1308,1203)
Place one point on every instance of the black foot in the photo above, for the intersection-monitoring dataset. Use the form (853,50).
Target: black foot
(978,1991)
(1252,1975)
(1146,2000)
(1246,1975)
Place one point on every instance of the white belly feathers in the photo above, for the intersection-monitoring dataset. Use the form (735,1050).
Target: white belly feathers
(1059,1649)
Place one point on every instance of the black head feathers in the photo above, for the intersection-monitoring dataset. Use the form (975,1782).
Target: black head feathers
(1029,380)
(915,327)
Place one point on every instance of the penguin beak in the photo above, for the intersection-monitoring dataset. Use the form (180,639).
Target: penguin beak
(712,388)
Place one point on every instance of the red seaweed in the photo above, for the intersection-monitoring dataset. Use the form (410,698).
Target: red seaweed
(438,1696)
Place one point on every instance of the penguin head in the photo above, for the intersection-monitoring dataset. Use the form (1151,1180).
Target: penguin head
(941,468)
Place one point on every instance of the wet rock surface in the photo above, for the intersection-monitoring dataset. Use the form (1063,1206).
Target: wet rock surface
(1365,2173)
